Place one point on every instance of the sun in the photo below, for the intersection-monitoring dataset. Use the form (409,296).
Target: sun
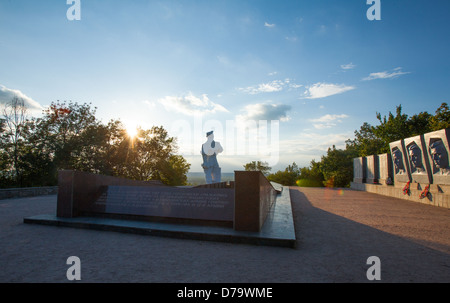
(132,131)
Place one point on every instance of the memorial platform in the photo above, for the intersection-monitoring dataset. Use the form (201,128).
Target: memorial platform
(278,228)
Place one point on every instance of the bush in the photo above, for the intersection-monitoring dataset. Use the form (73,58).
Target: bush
(309,183)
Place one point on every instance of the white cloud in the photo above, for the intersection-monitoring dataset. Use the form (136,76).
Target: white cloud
(268,24)
(396,72)
(150,104)
(322,90)
(295,85)
(265,111)
(274,86)
(7,94)
(313,143)
(191,105)
(328,121)
(348,66)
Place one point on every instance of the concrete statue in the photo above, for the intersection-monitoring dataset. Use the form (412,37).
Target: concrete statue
(210,150)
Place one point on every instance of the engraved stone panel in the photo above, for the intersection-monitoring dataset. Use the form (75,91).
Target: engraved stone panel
(399,162)
(78,190)
(417,160)
(437,149)
(167,202)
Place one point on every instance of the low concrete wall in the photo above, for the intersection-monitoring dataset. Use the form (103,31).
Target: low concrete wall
(438,195)
(10,193)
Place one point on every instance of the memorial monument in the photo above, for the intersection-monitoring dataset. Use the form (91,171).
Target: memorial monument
(420,167)
(249,210)
(210,150)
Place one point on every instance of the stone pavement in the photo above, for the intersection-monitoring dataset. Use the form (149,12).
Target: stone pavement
(337,231)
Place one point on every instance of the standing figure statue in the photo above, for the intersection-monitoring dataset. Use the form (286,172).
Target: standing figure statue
(210,150)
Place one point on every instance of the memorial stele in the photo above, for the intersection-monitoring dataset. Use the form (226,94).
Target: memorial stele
(416,169)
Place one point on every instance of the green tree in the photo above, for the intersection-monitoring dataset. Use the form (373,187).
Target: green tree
(148,156)
(392,128)
(337,167)
(311,176)
(66,133)
(419,124)
(173,171)
(366,142)
(441,118)
(258,166)
(69,136)
(288,177)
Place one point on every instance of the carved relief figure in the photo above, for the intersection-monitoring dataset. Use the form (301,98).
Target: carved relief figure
(415,158)
(209,152)
(398,161)
(439,157)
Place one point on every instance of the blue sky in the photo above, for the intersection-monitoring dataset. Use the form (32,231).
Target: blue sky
(320,68)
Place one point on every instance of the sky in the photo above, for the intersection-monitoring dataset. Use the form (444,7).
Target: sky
(278,81)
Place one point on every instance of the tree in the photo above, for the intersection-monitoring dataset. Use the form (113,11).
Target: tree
(441,119)
(258,166)
(142,157)
(36,165)
(66,133)
(419,124)
(337,167)
(392,129)
(173,171)
(288,177)
(3,145)
(148,156)
(366,142)
(69,136)
(13,122)
(311,176)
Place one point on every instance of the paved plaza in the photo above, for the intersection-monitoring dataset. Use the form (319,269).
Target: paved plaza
(336,230)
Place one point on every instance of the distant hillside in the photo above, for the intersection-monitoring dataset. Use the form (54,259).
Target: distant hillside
(198,178)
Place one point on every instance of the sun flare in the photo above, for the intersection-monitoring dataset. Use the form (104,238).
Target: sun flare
(132,131)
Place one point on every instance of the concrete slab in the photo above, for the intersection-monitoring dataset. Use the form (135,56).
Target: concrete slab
(278,229)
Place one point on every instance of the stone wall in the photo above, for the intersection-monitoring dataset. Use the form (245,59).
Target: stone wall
(416,169)
(11,193)
(254,197)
